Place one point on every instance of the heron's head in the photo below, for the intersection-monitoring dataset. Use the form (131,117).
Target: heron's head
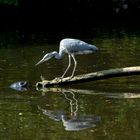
(45,58)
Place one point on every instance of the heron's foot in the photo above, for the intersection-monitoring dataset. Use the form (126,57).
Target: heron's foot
(71,77)
(58,79)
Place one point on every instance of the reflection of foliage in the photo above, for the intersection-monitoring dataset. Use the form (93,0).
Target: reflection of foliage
(125,120)
(10,2)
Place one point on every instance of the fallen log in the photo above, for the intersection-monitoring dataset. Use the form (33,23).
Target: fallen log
(99,75)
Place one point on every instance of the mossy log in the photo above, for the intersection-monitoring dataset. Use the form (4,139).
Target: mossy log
(99,75)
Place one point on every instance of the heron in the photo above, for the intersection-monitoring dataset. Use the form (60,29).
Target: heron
(71,47)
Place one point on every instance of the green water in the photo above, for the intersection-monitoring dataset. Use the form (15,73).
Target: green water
(101,110)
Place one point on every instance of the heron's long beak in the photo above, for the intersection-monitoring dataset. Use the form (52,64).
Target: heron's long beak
(46,57)
(41,61)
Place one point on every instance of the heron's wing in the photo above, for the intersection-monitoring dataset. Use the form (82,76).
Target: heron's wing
(76,46)
(80,47)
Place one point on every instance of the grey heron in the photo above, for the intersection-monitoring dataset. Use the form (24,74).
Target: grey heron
(71,47)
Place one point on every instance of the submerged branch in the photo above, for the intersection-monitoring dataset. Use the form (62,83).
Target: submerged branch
(100,75)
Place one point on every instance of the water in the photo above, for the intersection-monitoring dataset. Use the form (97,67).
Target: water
(102,110)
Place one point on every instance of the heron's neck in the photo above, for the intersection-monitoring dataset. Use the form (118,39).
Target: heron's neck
(57,55)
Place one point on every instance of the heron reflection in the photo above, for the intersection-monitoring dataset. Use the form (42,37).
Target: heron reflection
(72,121)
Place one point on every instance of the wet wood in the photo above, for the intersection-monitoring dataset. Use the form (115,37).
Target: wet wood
(100,75)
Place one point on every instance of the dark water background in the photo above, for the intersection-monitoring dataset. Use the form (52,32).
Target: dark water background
(102,110)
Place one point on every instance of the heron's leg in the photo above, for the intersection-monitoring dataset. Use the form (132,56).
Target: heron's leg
(68,66)
(75,64)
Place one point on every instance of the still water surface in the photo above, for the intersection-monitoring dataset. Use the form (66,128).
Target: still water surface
(101,110)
